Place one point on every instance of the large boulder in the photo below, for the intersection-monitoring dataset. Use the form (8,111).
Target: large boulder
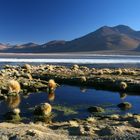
(125,105)
(123,85)
(51,85)
(14,86)
(95,109)
(43,109)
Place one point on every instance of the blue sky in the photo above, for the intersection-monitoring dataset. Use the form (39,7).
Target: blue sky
(40,21)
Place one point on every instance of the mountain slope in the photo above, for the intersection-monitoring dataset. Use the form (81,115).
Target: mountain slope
(138,48)
(120,37)
(27,45)
(106,38)
(4,47)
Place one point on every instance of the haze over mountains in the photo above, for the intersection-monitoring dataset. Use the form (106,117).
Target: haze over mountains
(116,38)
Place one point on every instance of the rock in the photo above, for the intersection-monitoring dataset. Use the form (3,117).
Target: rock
(84,68)
(76,131)
(28,76)
(27,67)
(75,67)
(132,73)
(114,116)
(14,86)
(16,111)
(123,85)
(117,72)
(43,109)
(51,85)
(38,85)
(12,94)
(43,113)
(13,115)
(6,66)
(125,105)
(91,119)
(50,67)
(3,137)
(95,109)
(100,72)
(135,121)
(2,97)
(73,123)
(83,79)
(127,116)
(4,90)
(107,131)
(93,69)
(106,71)
(32,132)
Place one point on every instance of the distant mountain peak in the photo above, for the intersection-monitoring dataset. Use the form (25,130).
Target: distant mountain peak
(123,28)
(29,44)
(120,37)
(55,42)
(104,30)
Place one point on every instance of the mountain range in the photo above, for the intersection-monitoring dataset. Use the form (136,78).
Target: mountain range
(115,38)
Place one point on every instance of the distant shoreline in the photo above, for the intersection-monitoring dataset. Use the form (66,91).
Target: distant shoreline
(92,53)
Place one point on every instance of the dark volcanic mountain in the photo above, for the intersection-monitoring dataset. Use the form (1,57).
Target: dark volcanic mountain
(120,37)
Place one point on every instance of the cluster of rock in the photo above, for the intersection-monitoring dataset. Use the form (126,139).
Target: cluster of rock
(104,78)
(27,78)
(105,127)
(17,80)
(122,80)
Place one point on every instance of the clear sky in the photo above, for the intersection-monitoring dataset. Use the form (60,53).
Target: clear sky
(40,21)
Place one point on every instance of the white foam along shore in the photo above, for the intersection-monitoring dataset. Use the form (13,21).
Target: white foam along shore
(78,61)
(13,55)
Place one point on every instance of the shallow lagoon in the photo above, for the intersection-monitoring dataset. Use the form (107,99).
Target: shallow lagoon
(71,102)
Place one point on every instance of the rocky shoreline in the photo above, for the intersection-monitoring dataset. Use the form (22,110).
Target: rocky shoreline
(107,79)
(35,79)
(97,128)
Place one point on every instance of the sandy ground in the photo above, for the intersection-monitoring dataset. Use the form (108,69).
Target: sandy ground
(114,128)
(9,131)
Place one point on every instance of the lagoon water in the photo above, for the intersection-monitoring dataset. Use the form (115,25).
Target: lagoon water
(75,99)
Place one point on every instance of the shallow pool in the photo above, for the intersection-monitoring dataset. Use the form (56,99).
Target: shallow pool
(70,102)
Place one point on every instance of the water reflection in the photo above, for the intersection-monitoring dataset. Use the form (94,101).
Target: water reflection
(123,95)
(83,89)
(51,96)
(69,98)
(13,101)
